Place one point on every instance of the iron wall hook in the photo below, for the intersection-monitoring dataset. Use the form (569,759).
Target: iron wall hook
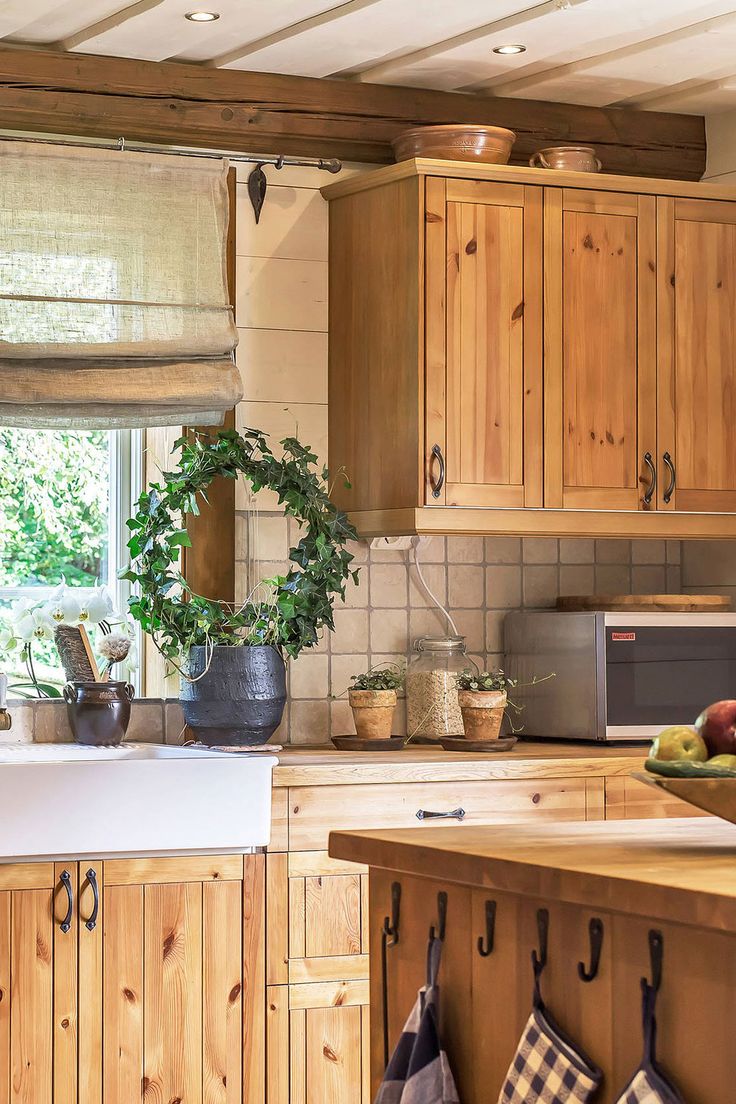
(595,931)
(391,926)
(485,947)
(441,918)
(257,187)
(656,953)
(539,961)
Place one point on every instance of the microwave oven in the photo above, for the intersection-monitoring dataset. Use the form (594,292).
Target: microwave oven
(617,676)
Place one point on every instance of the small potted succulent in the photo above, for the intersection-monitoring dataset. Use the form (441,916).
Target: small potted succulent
(372,698)
(483,698)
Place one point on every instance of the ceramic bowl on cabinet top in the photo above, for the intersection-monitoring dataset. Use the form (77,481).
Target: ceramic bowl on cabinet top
(486,145)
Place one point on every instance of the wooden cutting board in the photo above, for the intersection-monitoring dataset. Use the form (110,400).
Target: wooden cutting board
(664,603)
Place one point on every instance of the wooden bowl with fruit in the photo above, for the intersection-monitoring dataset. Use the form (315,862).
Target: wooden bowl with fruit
(698,763)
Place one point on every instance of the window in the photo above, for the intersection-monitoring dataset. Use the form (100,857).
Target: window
(64,500)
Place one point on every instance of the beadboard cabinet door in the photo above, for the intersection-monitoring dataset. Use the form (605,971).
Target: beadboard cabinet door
(161,977)
(38,996)
(600,350)
(483,274)
(697,361)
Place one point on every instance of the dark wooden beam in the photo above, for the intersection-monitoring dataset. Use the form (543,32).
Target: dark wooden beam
(167,102)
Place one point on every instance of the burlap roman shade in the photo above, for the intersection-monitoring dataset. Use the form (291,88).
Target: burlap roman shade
(114,307)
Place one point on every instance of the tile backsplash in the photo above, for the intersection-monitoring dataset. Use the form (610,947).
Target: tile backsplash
(152,720)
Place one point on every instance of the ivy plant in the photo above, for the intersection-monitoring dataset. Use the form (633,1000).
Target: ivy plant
(286,611)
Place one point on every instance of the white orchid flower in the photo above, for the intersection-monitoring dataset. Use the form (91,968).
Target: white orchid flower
(20,609)
(98,607)
(43,624)
(25,627)
(64,607)
(130,663)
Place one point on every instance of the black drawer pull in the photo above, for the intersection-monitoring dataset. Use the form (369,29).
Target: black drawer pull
(91,924)
(454,814)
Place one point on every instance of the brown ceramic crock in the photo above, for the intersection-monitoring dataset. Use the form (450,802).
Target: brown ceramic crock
(373,713)
(486,145)
(569,158)
(98,712)
(482,712)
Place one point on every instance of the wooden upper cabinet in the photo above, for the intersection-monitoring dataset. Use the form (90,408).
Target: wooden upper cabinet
(697,354)
(483,274)
(600,346)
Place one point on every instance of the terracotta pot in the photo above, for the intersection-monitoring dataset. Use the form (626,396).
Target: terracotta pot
(98,712)
(486,145)
(571,158)
(373,713)
(482,712)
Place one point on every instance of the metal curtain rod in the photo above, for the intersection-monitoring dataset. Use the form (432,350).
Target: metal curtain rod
(328,164)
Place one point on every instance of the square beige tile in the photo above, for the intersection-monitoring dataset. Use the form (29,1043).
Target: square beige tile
(351,631)
(674,579)
(540,550)
(309,722)
(465,587)
(708,563)
(577,550)
(173,722)
(465,550)
(356,594)
(648,552)
(48,722)
(435,576)
(426,622)
(577,579)
(342,669)
(146,722)
(389,585)
(432,549)
(613,551)
(648,579)
(503,550)
(540,586)
(389,630)
(308,676)
(341,719)
(471,625)
(674,551)
(612,579)
(268,537)
(503,587)
(494,631)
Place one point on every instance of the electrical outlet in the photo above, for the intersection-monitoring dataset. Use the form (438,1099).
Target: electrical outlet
(391,544)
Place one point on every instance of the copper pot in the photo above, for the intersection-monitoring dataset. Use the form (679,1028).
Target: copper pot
(486,145)
(98,712)
(569,158)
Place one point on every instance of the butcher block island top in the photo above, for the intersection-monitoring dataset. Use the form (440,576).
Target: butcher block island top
(321,765)
(677,871)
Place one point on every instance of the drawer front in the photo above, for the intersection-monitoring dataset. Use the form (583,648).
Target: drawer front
(629,799)
(316,811)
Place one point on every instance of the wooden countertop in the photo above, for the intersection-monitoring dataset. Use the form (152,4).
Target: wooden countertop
(683,871)
(321,765)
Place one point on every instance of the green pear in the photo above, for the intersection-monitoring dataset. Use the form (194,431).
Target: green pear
(679,742)
(723,761)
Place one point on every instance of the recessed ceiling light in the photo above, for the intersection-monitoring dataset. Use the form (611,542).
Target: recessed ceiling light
(202,16)
(510,48)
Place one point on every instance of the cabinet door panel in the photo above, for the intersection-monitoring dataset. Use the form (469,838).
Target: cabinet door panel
(697,336)
(483,319)
(600,318)
(31,996)
(171,1006)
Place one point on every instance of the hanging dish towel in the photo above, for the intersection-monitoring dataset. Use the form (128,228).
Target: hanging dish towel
(419,1070)
(548,1068)
(649,1084)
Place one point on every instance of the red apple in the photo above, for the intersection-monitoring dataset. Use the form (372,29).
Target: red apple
(717,726)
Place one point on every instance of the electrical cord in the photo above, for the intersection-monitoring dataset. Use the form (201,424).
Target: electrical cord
(415,545)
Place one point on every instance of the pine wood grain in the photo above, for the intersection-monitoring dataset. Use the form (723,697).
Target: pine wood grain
(31,997)
(65,997)
(254,979)
(188,868)
(5,991)
(91,984)
(123,996)
(332,915)
(222,993)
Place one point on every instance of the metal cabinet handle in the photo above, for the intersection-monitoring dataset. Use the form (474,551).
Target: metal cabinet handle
(91,924)
(649,493)
(673,476)
(454,814)
(66,880)
(437,487)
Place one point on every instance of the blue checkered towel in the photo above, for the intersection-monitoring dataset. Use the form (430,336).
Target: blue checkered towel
(419,1070)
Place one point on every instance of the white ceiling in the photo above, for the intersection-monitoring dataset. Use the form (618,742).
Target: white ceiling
(673,55)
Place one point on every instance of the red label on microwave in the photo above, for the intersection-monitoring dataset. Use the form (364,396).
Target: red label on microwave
(623,636)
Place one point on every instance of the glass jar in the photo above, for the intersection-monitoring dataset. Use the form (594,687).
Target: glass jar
(432,708)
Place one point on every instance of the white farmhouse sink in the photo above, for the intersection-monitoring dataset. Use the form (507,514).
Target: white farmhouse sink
(65,800)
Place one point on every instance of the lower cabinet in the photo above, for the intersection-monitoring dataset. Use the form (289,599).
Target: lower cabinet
(122,980)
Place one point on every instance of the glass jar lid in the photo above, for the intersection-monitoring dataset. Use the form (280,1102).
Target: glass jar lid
(440,644)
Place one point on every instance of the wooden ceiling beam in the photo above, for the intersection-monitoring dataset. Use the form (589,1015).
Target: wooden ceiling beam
(92,30)
(179,104)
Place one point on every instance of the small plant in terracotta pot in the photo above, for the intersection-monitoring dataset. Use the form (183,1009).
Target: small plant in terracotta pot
(372,699)
(483,701)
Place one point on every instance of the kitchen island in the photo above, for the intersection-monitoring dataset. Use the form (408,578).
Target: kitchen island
(648,884)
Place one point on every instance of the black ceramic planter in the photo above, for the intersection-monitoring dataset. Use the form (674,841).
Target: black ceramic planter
(241,698)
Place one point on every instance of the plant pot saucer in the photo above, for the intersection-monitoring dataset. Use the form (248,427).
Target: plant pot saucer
(354,743)
(459,743)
